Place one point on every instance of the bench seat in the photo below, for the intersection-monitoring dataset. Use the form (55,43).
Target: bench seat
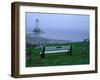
(56,51)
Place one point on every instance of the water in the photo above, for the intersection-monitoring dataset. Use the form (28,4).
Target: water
(71,35)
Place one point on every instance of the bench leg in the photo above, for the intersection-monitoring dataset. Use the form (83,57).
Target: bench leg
(71,51)
(43,55)
(43,52)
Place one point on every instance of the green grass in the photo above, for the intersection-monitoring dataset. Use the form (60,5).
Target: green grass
(77,58)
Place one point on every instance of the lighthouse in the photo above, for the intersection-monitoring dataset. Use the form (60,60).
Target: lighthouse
(37,31)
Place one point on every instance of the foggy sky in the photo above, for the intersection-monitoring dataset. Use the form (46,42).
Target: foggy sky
(58,21)
(59,26)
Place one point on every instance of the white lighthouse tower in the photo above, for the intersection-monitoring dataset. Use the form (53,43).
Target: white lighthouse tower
(37,31)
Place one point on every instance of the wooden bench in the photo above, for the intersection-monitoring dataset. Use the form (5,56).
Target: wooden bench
(55,49)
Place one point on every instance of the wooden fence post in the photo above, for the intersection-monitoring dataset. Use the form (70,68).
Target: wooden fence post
(84,51)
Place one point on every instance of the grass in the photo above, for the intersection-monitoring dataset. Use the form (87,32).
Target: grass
(78,56)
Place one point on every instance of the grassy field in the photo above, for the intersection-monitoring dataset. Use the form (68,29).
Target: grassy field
(78,56)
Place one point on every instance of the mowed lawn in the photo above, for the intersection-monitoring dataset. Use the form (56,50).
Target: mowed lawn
(54,59)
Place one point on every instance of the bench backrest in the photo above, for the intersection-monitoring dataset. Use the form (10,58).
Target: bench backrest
(54,48)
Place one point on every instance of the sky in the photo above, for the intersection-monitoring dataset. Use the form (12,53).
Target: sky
(67,26)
